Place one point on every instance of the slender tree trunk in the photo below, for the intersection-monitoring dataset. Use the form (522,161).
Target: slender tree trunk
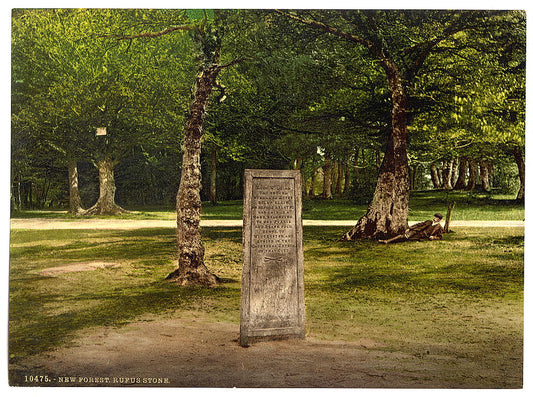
(460,183)
(453,176)
(340,178)
(412,176)
(213,180)
(519,159)
(313,181)
(435,176)
(356,166)
(484,175)
(347,178)
(448,222)
(191,268)
(447,174)
(326,190)
(387,214)
(75,207)
(472,174)
(106,200)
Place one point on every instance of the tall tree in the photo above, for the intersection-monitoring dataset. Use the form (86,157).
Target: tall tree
(388,37)
(206,28)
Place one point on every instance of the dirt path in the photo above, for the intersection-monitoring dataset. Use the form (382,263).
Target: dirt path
(189,352)
(124,224)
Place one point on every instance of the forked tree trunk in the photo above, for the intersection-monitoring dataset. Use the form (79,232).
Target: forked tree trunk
(387,214)
(191,268)
(75,207)
(106,200)
(519,159)
(460,183)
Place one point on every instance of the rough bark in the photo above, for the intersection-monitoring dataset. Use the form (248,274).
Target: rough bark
(106,201)
(75,207)
(387,214)
(519,159)
(460,183)
(191,267)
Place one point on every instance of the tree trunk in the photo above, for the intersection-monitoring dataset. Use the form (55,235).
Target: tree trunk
(453,176)
(346,187)
(340,178)
(460,183)
(326,190)
(191,268)
(447,174)
(387,214)
(435,176)
(356,166)
(312,187)
(484,175)
(472,174)
(106,200)
(298,166)
(412,176)
(75,207)
(213,180)
(448,222)
(519,159)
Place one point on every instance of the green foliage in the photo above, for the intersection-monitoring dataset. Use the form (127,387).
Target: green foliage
(295,94)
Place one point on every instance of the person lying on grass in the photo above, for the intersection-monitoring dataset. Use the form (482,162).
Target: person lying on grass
(430,230)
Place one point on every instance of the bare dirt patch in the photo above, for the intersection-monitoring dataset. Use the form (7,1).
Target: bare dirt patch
(189,352)
(76,267)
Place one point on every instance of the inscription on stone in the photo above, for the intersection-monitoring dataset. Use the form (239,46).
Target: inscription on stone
(272,294)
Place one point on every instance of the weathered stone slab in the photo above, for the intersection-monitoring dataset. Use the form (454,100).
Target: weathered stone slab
(272,292)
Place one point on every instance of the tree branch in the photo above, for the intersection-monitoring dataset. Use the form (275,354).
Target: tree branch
(329,29)
(227,65)
(151,35)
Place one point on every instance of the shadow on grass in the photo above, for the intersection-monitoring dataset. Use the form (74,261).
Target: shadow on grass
(490,266)
(46,312)
(112,309)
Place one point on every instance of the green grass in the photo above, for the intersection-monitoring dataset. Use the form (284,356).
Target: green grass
(462,296)
(422,206)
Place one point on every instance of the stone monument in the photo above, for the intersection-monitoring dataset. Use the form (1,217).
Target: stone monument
(272,292)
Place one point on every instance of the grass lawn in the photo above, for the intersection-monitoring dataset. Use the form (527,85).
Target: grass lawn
(423,206)
(462,296)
